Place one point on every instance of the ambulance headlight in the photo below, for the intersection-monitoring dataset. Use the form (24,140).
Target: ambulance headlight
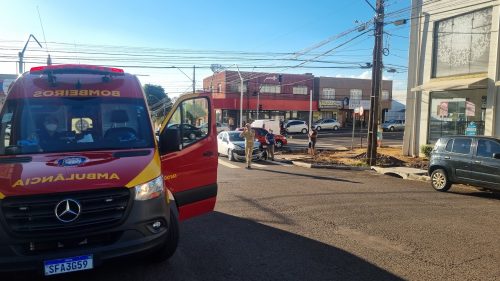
(149,190)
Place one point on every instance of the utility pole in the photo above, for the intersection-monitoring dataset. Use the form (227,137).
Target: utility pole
(194,78)
(373,124)
(241,97)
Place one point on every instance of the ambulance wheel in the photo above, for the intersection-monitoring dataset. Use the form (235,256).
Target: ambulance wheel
(167,250)
(230,155)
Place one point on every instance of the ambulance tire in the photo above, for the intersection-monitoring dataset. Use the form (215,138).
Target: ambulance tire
(167,250)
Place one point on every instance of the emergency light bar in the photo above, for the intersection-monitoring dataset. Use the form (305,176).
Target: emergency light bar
(77,69)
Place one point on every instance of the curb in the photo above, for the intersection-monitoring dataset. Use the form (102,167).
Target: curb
(327,166)
(403,175)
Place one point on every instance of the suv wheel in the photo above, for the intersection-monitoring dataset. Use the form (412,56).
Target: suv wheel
(439,180)
(167,250)
(304,131)
(391,129)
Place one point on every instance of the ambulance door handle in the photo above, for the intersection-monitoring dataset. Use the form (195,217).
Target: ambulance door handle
(208,153)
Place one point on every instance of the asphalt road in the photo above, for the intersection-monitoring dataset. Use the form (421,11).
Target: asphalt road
(278,222)
(343,137)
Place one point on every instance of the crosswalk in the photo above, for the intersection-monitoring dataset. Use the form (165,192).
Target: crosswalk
(261,164)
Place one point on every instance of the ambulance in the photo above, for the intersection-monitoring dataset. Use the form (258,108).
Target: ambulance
(83,179)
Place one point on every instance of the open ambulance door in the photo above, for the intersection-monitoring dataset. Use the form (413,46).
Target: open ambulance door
(188,151)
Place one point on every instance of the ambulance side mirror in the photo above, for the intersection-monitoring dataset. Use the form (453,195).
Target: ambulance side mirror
(170,140)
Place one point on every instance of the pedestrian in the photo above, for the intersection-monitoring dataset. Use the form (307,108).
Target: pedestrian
(270,144)
(313,136)
(249,136)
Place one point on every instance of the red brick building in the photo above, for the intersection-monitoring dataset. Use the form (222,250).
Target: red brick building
(273,95)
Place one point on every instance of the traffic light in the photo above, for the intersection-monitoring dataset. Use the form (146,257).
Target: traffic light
(280,78)
(260,106)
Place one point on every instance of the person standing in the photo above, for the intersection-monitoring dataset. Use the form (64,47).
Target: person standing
(249,136)
(313,136)
(270,144)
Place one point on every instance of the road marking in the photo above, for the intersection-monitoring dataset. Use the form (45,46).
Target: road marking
(229,165)
(258,165)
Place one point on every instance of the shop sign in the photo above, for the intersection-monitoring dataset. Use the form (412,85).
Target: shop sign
(443,109)
(471,129)
(330,104)
(470,108)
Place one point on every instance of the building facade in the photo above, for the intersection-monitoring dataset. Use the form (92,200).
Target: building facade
(339,97)
(453,72)
(271,95)
(5,81)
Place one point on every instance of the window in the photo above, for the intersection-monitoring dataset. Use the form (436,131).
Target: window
(356,94)
(461,146)
(219,88)
(385,95)
(74,124)
(189,118)
(270,89)
(486,148)
(454,112)
(328,94)
(300,90)
(236,87)
(462,44)
(449,145)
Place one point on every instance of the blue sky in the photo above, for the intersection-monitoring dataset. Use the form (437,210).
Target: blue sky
(200,27)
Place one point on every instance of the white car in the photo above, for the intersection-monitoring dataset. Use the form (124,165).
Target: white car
(327,124)
(230,144)
(220,127)
(296,126)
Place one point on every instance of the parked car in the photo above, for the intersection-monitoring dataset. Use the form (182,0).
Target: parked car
(230,144)
(473,160)
(393,125)
(296,126)
(189,131)
(260,134)
(330,124)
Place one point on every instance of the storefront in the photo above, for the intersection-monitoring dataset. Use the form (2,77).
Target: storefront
(331,109)
(456,113)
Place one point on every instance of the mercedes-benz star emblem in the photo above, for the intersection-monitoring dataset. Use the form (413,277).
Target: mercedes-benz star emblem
(67,210)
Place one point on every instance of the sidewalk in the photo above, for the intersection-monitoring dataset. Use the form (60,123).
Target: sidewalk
(401,172)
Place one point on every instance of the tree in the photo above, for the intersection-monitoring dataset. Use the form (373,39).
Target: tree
(159,102)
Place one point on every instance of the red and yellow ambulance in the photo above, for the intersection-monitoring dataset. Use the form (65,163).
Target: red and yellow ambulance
(83,178)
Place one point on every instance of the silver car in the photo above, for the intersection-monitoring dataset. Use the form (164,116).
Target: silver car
(230,144)
(393,125)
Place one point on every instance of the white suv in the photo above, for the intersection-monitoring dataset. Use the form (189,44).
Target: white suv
(296,126)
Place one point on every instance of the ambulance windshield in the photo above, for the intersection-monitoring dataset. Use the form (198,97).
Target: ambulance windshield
(74,124)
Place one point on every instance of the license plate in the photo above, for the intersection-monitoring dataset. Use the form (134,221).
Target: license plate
(59,266)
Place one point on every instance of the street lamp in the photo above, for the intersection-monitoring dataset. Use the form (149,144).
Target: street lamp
(21,54)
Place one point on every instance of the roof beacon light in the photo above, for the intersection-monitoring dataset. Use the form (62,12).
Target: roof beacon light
(77,68)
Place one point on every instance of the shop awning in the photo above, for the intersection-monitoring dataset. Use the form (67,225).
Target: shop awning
(454,84)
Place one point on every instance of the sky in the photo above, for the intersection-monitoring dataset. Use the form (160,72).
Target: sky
(144,37)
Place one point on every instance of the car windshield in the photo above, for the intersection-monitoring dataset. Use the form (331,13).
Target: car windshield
(235,136)
(74,124)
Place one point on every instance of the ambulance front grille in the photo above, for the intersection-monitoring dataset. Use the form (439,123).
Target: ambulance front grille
(36,215)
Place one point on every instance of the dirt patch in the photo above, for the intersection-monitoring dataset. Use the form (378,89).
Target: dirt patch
(386,157)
